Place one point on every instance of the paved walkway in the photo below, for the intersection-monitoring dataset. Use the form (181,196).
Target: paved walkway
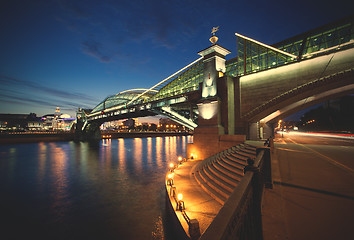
(311,198)
(198,204)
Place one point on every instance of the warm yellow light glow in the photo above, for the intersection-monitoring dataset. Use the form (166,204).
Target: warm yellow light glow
(180,196)
(171,165)
(179,158)
(170,176)
(208,110)
(279,124)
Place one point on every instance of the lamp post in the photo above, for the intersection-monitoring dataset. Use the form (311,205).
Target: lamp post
(180,160)
(170,179)
(172,167)
(180,202)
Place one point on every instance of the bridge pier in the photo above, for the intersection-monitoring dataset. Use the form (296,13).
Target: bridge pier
(218,109)
(260,130)
(89,133)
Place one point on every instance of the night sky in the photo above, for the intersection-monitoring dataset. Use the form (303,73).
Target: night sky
(74,53)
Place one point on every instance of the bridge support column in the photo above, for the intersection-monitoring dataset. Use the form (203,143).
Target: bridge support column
(91,132)
(216,120)
(260,130)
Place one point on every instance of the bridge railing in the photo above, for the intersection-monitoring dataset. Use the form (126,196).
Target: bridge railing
(240,217)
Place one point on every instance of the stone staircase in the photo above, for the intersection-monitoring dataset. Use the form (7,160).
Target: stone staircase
(218,175)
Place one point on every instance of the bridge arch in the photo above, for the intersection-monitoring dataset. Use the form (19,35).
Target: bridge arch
(121,99)
(304,96)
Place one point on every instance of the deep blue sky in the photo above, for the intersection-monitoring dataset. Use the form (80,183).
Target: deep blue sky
(74,53)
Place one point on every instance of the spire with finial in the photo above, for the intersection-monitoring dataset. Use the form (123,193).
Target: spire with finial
(214,38)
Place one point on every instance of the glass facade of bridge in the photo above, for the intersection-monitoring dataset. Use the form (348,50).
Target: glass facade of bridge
(252,57)
(121,99)
(315,42)
(186,81)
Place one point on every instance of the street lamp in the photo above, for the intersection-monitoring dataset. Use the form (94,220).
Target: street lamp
(172,167)
(180,202)
(170,179)
(180,160)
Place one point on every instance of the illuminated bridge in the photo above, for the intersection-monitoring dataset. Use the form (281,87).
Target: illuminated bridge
(245,95)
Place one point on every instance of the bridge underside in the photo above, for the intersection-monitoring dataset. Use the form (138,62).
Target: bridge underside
(300,98)
(266,97)
(264,90)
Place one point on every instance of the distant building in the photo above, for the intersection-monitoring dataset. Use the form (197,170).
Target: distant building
(13,122)
(166,121)
(54,122)
(30,122)
(129,123)
(166,124)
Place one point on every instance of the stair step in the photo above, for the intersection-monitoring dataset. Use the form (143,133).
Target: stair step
(218,197)
(221,174)
(228,172)
(233,182)
(246,154)
(218,180)
(245,150)
(241,156)
(223,192)
(234,158)
(248,146)
(231,168)
(235,162)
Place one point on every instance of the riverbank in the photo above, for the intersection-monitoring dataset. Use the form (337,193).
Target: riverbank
(29,137)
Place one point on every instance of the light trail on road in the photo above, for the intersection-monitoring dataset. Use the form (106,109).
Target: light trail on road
(329,135)
(330,160)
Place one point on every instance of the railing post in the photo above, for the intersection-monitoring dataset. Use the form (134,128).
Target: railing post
(194,230)
(266,167)
(254,229)
(257,186)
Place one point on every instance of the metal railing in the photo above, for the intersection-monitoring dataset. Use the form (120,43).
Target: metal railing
(240,217)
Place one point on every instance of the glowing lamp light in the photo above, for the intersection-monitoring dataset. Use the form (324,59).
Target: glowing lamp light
(208,110)
(180,159)
(180,196)
(180,203)
(172,167)
(170,179)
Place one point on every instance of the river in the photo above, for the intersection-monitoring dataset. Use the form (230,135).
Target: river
(113,189)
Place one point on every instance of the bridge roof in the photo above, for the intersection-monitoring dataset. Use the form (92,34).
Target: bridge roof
(122,98)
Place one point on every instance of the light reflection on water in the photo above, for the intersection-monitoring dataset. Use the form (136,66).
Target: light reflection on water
(66,190)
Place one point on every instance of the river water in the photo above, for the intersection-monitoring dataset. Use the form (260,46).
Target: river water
(113,189)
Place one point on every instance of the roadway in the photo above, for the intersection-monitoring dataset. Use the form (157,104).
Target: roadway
(313,194)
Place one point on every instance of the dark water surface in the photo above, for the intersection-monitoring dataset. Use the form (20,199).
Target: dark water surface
(65,190)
